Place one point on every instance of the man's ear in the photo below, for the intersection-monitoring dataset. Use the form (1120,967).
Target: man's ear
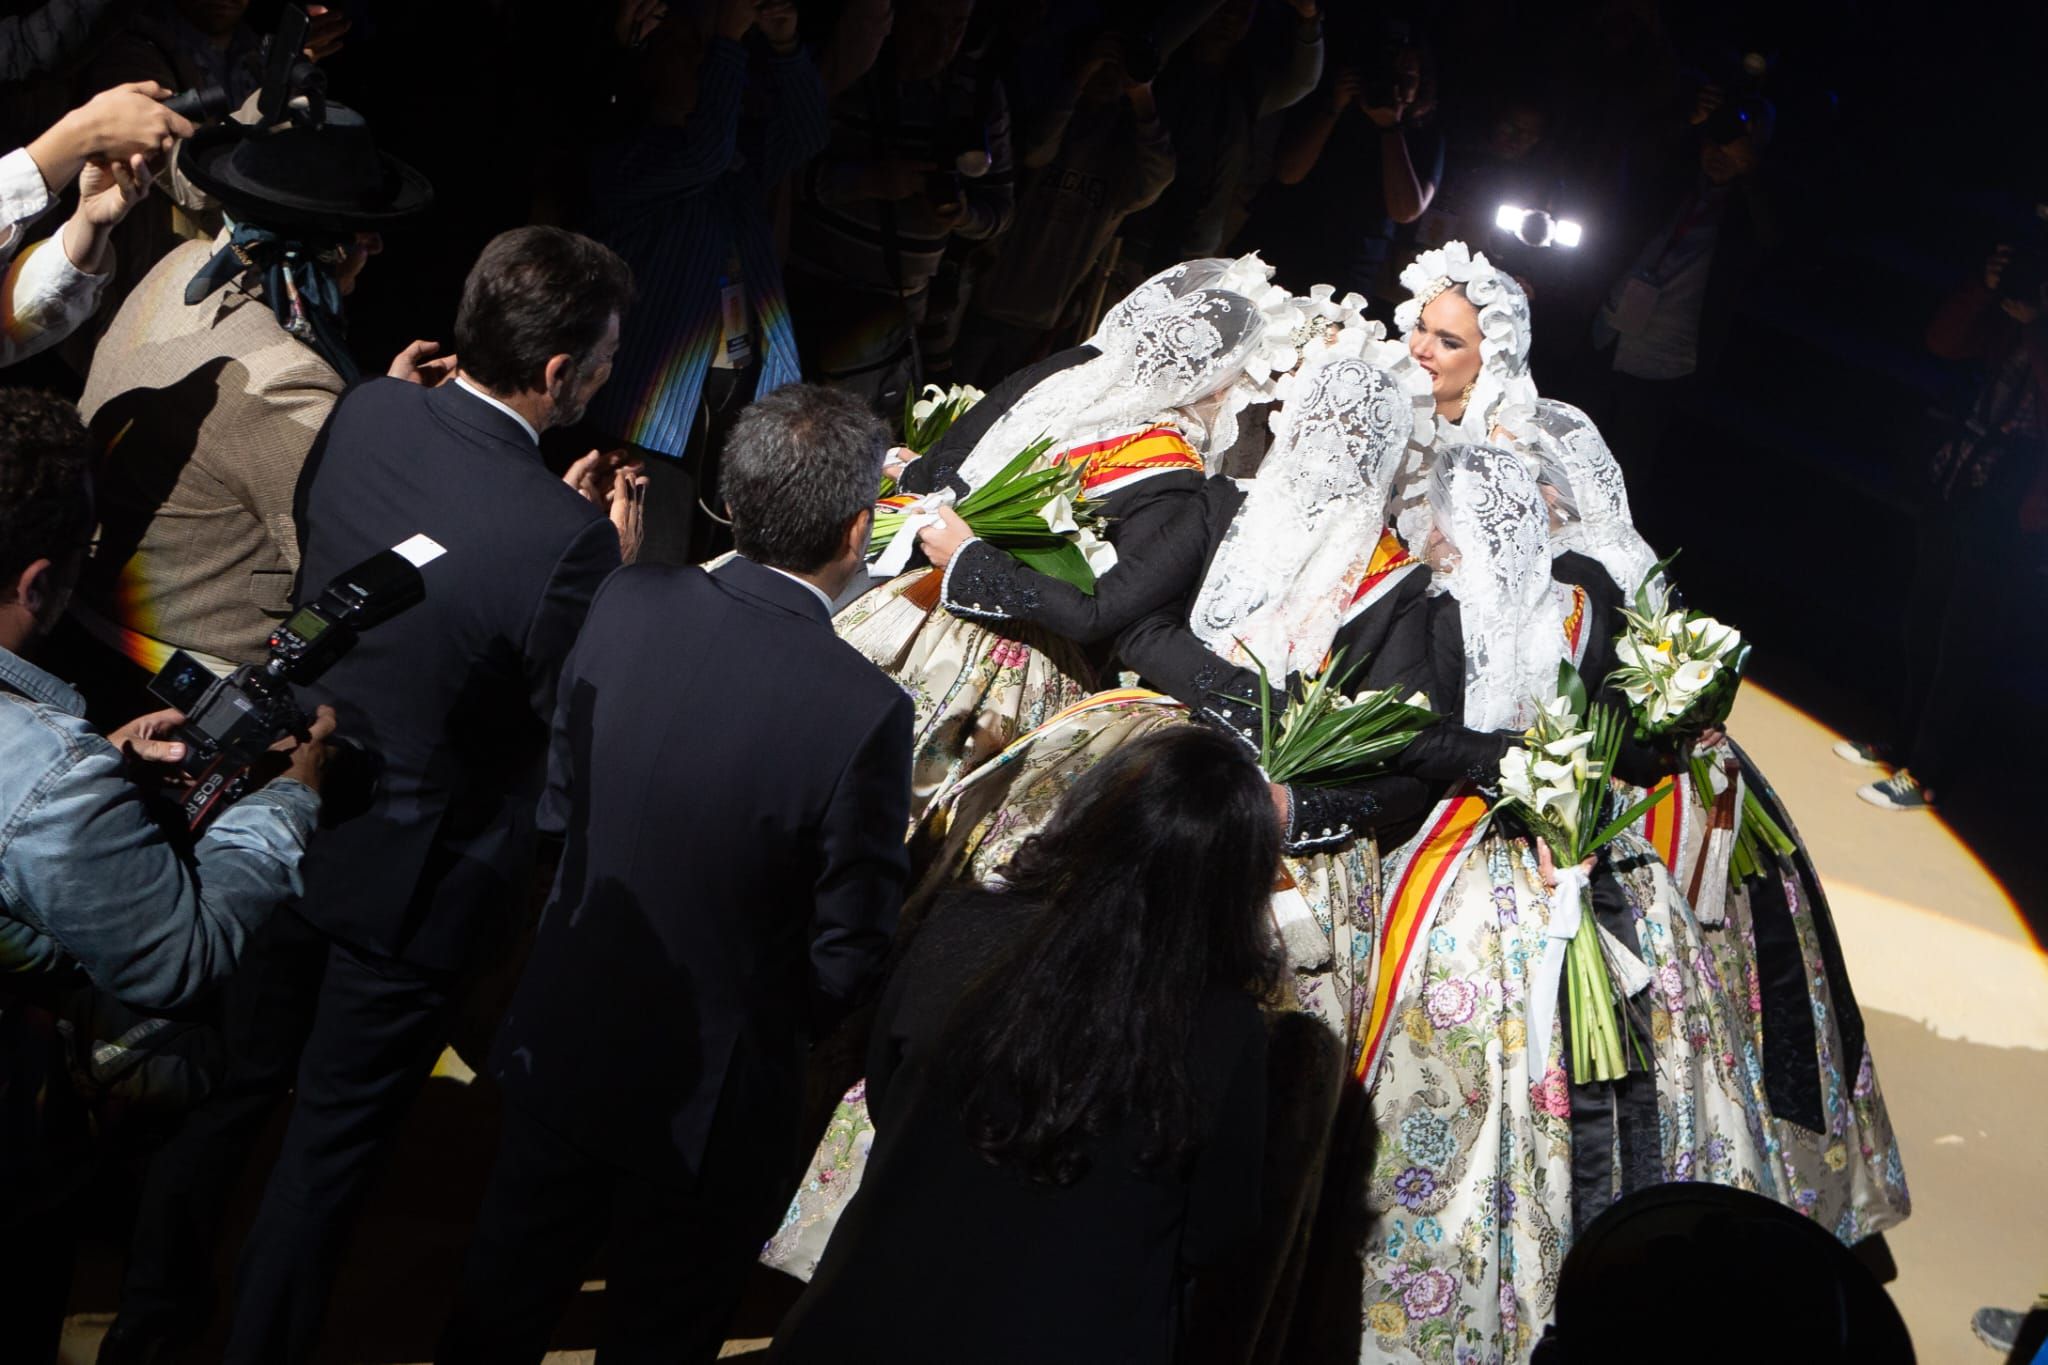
(558,373)
(856,542)
(30,587)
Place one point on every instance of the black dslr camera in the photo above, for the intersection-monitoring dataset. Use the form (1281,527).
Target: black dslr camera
(286,73)
(231,722)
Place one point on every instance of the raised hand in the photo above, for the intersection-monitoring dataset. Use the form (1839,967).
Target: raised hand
(324,34)
(107,190)
(419,364)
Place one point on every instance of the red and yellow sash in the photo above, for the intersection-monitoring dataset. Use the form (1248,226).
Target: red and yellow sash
(1155,450)
(1097,701)
(1422,876)
(1664,823)
(1390,562)
(1575,624)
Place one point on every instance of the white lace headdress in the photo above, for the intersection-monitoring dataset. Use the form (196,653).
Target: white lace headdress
(1280,581)
(1169,344)
(1511,614)
(1592,498)
(1504,379)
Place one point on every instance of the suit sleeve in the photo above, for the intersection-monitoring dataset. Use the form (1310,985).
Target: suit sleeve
(557,795)
(1160,546)
(590,557)
(863,864)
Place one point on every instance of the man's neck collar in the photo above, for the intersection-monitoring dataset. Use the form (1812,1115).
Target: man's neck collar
(817,589)
(528,408)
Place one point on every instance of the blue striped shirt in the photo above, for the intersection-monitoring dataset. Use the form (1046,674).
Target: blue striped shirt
(678,203)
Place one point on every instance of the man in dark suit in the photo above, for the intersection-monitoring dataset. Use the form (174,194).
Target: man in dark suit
(733,782)
(451,699)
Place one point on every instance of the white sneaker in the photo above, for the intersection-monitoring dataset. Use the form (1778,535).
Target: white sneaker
(1857,752)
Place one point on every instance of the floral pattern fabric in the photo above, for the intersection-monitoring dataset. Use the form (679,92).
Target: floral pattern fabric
(973,688)
(1848,1176)
(1470,1194)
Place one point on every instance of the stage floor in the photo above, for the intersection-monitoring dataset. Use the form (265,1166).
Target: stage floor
(1954,990)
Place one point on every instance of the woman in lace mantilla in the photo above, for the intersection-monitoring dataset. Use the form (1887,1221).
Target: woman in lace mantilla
(1010,649)
(1833,1152)
(1267,584)
(1488,1157)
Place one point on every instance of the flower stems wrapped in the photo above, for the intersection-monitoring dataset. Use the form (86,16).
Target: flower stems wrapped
(1323,738)
(1557,783)
(931,414)
(1037,515)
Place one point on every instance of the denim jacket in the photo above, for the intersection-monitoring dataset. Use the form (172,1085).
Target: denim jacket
(92,878)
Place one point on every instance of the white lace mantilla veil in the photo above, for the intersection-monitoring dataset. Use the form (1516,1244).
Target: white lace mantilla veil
(1511,611)
(1180,337)
(1592,497)
(1278,585)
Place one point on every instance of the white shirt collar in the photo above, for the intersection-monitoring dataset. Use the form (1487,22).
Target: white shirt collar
(809,586)
(501,406)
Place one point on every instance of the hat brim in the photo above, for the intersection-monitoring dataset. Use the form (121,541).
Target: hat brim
(204,160)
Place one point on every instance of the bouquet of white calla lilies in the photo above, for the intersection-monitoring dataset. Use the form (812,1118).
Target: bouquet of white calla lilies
(1039,516)
(1557,783)
(1678,669)
(1320,737)
(931,414)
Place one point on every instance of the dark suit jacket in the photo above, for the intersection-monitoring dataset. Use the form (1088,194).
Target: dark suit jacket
(734,782)
(942,1257)
(451,696)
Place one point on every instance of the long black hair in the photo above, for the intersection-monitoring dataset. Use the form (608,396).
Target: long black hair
(1152,880)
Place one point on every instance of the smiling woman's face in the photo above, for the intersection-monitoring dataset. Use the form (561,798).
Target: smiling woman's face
(1445,342)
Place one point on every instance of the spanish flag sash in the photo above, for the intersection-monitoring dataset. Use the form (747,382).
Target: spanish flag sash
(1115,696)
(1422,873)
(1423,870)
(1695,841)
(1390,563)
(1575,626)
(1664,824)
(1120,461)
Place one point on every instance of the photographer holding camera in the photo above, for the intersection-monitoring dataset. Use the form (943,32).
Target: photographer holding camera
(89,878)
(94,885)
(1359,157)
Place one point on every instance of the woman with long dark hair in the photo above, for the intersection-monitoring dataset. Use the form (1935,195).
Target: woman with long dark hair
(1068,1082)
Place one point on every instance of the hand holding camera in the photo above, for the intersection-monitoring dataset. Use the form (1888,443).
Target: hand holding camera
(224,736)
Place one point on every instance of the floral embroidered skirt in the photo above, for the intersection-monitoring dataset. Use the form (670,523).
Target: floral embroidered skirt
(1470,1194)
(1846,1173)
(973,688)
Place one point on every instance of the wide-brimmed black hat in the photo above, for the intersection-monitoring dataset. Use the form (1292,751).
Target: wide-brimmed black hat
(331,178)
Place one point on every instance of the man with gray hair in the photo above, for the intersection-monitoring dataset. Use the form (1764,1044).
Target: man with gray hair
(732,781)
